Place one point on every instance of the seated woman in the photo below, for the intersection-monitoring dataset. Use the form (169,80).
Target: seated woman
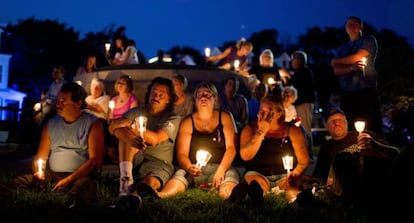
(211,130)
(263,145)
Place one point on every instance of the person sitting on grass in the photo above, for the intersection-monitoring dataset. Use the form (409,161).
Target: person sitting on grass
(72,144)
(149,155)
(263,144)
(211,130)
(352,164)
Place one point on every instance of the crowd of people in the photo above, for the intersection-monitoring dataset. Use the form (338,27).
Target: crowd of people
(247,139)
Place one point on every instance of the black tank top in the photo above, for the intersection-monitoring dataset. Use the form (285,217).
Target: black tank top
(268,160)
(213,142)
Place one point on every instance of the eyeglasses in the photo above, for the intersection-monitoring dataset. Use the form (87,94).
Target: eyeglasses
(204,95)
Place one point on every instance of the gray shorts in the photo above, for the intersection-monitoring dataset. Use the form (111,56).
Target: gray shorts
(145,166)
(231,175)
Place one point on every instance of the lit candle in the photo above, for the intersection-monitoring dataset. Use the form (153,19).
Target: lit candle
(287,163)
(111,104)
(202,157)
(142,125)
(207,52)
(364,62)
(107,46)
(359,126)
(40,168)
(37,106)
(79,83)
(236,64)
(271,81)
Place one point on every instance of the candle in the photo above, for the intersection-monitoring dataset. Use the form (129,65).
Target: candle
(40,172)
(359,126)
(207,52)
(202,157)
(79,83)
(364,62)
(236,64)
(37,106)
(107,46)
(287,163)
(111,104)
(141,124)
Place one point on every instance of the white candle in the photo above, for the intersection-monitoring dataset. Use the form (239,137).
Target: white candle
(111,104)
(37,106)
(287,163)
(359,126)
(207,52)
(142,125)
(364,62)
(107,46)
(236,64)
(202,157)
(40,167)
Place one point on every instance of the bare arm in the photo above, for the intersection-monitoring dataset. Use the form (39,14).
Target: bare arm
(229,129)
(348,64)
(220,56)
(300,148)
(183,145)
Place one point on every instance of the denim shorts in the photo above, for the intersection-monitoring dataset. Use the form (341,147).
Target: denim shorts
(231,175)
(145,166)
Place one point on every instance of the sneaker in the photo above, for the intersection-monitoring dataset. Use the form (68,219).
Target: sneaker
(255,192)
(125,185)
(129,204)
(144,190)
(239,193)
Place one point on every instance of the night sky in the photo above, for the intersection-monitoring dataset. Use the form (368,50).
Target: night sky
(162,24)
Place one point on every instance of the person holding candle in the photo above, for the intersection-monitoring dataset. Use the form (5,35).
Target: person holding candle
(228,58)
(352,164)
(263,144)
(151,156)
(355,67)
(213,131)
(122,101)
(72,144)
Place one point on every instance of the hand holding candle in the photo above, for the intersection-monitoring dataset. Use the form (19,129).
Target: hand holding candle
(202,158)
(287,163)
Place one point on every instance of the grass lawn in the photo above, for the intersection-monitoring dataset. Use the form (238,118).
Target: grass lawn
(195,205)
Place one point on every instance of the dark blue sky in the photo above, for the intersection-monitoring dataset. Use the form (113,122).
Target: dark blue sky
(161,24)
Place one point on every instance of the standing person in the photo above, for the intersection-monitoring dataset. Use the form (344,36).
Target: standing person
(185,103)
(48,100)
(97,103)
(239,51)
(88,66)
(262,146)
(151,156)
(234,103)
(260,91)
(302,79)
(354,164)
(214,131)
(355,67)
(267,72)
(72,144)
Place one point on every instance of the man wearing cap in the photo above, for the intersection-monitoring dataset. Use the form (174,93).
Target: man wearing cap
(350,161)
